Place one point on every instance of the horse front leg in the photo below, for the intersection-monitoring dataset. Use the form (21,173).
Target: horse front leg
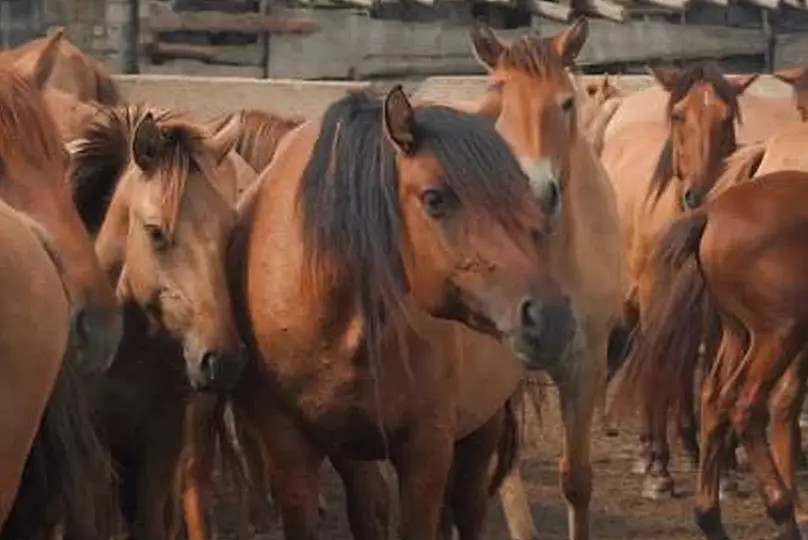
(579,389)
(423,464)
(367,497)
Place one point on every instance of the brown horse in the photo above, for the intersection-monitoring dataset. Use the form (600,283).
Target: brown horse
(149,185)
(73,72)
(739,261)
(797,78)
(361,222)
(538,118)
(32,180)
(659,170)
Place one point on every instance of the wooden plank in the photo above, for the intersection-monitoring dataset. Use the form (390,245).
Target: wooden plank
(675,5)
(608,10)
(551,10)
(722,3)
(765,4)
(796,4)
(206,21)
(158,52)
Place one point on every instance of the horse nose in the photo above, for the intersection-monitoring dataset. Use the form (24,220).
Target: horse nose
(692,198)
(220,370)
(548,326)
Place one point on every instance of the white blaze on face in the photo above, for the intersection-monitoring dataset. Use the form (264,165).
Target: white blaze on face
(544,178)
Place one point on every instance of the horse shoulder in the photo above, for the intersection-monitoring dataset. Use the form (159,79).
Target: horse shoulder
(764,117)
(647,105)
(786,151)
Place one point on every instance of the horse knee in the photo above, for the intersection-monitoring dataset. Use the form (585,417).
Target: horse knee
(576,484)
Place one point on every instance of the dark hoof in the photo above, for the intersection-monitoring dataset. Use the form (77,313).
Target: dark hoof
(727,487)
(657,487)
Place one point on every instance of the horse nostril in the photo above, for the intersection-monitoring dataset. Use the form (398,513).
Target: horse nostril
(207,366)
(691,198)
(530,315)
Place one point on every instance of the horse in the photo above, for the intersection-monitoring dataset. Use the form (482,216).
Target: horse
(32,181)
(797,78)
(763,116)
(658,171)
(372,235)
(73,73)
(538,119)
(736,261)
(48,446)
(260,134)
(150,187)
(598,103)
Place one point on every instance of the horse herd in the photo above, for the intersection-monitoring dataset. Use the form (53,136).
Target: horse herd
(255,294)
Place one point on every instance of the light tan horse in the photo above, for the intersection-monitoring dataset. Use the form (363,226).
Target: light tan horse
(153,187)
(762,116)
(538,118)
(658,170)
(797,78)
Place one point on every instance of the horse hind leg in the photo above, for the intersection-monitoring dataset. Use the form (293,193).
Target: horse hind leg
(367,497)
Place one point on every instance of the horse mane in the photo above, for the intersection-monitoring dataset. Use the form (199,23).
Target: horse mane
(260,134)
(349,201)
(104,151)
(534,56)
(706,71)
(28,132)
(740,166)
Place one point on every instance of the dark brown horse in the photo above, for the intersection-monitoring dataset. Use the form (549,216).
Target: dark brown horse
(149,186)
(32,180)
(538,117)
(739,264)
(365,221)
(659,170)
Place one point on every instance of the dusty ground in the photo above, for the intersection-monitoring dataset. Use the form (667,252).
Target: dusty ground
(618,511)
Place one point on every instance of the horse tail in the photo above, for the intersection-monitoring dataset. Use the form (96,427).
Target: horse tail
(507,448)
(741,165)
(664,356)
(67,467)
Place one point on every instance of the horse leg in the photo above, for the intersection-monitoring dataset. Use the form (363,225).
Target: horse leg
(688,430)
(260,511)
(516,507)
(579,390)
(785,409)
(367,498)
(423,463)
(765,362)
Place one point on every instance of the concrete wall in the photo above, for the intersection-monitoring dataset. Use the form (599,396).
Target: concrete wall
(206,97)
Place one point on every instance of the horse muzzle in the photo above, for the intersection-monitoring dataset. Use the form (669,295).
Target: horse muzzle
(217,370)
(94,338)
(547,329)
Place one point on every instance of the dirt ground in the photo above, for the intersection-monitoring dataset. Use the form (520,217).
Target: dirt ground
(617,509)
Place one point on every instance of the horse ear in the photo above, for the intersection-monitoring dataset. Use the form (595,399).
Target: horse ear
(399,121)
(741,83)
(485,45)
(791,75)
(42,69)
(225,138)
(665,77)
(147,143)
(570,41)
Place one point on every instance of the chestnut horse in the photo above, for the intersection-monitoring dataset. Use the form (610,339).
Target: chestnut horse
(148,184)
(738,260)
(47,272)
(797,78)
(538,118)
(32,181)
(73,72)
(362,224)
(659,170)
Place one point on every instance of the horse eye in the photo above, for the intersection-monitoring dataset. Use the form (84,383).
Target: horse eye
(157,237)
(567,104)
(436,202)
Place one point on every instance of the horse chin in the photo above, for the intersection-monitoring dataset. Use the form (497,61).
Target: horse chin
(546,354)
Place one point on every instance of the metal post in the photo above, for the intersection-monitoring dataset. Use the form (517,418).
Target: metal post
(5,23)
(130,39)
(264,39)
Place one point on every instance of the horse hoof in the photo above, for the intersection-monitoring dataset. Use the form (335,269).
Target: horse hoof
(657,487)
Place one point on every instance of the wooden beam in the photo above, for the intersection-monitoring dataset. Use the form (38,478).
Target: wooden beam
(675,5)
(607,10)
(796,4)
(159,52)
(551,10)
(209,21)
(765,4)
(722,3)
